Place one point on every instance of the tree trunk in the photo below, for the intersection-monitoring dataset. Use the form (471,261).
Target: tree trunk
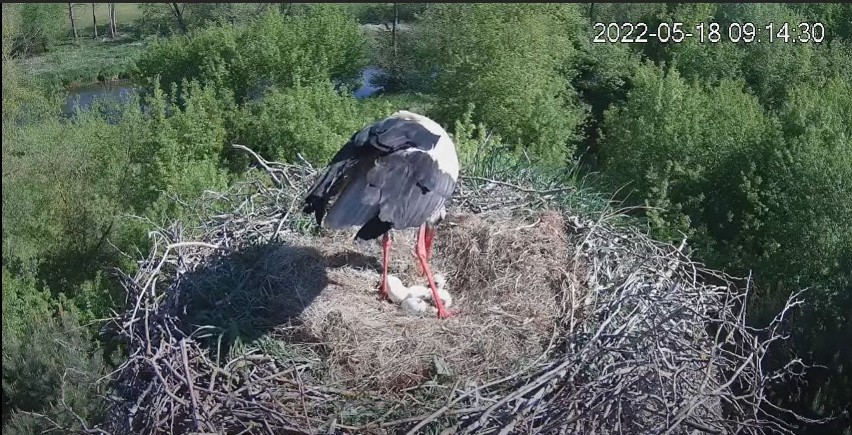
(114,20)
(94,21)
(178,16)
(111,14)
(393,32)
(71,15)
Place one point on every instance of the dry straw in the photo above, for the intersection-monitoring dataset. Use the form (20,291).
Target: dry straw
(565,325)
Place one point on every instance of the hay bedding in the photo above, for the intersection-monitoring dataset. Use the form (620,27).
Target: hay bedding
(506,303)
(566,325)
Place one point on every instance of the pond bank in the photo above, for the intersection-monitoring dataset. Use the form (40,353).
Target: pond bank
(123,90)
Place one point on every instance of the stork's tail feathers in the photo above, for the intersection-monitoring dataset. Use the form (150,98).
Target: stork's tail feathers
(374,228)
(316,201)
(316,205)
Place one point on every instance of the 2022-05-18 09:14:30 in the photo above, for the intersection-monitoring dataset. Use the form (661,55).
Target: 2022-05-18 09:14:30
(676,32)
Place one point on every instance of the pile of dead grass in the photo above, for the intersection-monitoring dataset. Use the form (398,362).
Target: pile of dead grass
(506,299)
(565,325)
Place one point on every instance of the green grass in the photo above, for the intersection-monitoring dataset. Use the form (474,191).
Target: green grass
(125,13)
(415,102)
(85,62)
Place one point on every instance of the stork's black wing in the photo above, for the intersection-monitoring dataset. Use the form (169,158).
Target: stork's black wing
(411,187)
(358,156)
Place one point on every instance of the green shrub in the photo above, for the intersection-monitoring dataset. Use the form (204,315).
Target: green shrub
(755,193)
(41,26)
(275,51)
(797,233)
(513,63)
(178,148)
(677,146)
(43,358)
(313,120)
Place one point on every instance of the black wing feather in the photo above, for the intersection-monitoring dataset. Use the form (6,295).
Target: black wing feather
(380,139)
(412,188)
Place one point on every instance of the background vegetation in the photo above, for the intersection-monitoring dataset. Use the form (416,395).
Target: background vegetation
(744,148)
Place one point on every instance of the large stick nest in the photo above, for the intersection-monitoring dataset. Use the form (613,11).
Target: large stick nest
(565,324)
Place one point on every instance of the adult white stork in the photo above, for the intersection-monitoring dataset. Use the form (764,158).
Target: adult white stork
(397,173)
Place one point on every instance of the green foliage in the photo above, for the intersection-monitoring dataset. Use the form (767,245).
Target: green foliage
(812,164)
(83,63)
(202,56)
(483,154)
(674,145)
(155,19)
(176,151)
(11,27)
(160,19)
(381,13)
(47,365)
(66,206)
(798,231)
(40,353)
(753,192)
(275,51)
(835,16)
(24,101)
(313,120)
(41,26)
(602,79)
(703,61)
(511,62)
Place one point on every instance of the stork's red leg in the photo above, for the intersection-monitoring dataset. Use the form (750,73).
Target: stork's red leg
(428,235)
(424,263)
(383,287)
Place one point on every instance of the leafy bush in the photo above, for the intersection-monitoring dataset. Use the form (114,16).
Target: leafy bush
(753,192)
(313,119)
(380,13)
(276,50)
(676,146)
(45,360)
(160,18)
(798,230)
(41,26)
(512,62)
(177,149)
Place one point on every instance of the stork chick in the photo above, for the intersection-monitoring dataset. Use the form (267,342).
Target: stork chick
(423,292)
(397,291)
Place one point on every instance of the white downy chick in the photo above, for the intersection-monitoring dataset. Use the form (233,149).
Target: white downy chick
(415,305)
(420,292)
(397,291)
(425,293)
(440,280)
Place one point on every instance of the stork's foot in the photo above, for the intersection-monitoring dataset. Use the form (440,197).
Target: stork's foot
(445,313)
(383,291)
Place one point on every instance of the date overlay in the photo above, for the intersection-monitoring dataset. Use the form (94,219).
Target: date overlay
(711,32)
